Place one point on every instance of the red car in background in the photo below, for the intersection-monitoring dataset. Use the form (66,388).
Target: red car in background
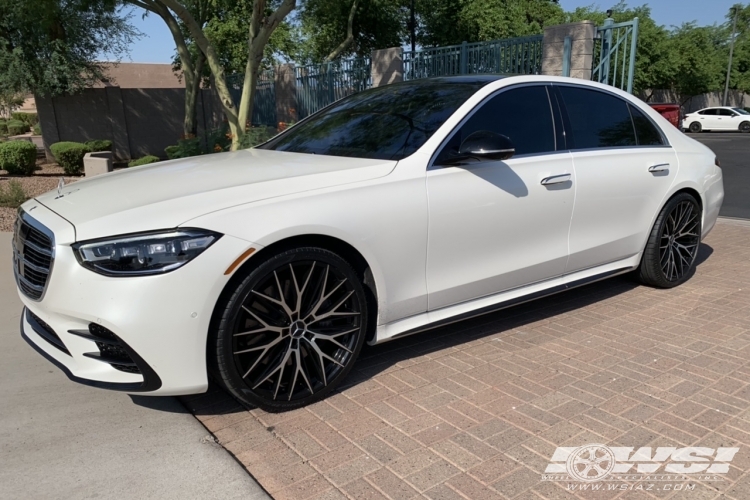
(671,111)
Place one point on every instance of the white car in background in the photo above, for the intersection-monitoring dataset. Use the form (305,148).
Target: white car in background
(390,212)
(720,118)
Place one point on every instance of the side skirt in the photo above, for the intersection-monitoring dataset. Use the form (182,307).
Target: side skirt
(383,335)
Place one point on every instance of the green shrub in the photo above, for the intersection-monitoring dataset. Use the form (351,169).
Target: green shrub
(12,195)
(70,156)
(99,145)
(17,127)
(28,118)
(184,149)
(3,127)
(143,161)
(18,157)
(37,129)
(254,136)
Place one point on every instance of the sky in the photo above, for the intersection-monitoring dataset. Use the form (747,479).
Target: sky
(156,46)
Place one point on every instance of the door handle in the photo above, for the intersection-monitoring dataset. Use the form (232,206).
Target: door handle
(661,167)
(555,179)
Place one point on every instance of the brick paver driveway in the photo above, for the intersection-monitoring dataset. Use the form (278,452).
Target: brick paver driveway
(476,409)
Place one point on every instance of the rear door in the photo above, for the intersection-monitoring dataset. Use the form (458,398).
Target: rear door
(709,119)
(623,167)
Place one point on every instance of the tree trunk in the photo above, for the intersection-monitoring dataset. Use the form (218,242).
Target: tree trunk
(212,58)
(249,85)
(192,92)
(349,36)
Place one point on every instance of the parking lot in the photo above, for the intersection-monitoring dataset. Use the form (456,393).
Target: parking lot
(476,410)
(733,150)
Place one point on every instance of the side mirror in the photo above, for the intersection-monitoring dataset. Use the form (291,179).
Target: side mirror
(484,145)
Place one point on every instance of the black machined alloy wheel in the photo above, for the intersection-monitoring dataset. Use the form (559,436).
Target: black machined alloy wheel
(292,329)
(673,244)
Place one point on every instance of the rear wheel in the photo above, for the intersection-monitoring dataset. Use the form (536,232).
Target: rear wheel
(695,127)
(745,127)
(291,330)
(672,246)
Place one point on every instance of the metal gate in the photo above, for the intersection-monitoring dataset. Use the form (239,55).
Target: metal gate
(614,54)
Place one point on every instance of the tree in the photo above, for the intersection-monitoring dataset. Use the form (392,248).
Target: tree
(698,54)
(190,61)
(332,29)
(51,47)
(261,24)
(450,22)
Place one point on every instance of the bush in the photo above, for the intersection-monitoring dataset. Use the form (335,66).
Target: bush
(29,119)
(143,161)
(37,129)
(18,157)
(184,149)
(99,145)
(3,127)
(13,195)
(17,127)
(254,136)
(70,156)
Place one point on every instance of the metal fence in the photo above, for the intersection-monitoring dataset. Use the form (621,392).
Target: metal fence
(264,104)
(615,53)
(318,85)
(510,56)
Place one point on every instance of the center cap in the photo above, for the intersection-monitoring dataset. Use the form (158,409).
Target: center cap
(297,329)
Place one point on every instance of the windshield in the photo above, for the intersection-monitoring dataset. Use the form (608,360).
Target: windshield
(741,111)
(386,123)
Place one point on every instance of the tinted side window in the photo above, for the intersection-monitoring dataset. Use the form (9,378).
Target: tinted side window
(598,120)
(710,112)
(645,131)
(523,114)
(725,112)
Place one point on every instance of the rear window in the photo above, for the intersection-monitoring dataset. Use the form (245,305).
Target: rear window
(387,123)
(597,119)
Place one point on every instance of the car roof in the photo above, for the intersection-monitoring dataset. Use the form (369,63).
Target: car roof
(483,78)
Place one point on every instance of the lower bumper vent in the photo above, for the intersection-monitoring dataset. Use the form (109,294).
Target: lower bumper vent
(45,331)
(111,349)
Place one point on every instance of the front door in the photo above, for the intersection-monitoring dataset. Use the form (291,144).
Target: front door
(498,225)
(624,169)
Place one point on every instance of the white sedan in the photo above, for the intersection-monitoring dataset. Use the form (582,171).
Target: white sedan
(388,213)
(721,118)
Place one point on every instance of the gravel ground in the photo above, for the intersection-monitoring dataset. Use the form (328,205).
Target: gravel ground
(44,179)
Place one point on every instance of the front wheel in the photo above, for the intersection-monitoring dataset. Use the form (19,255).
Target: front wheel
(744,127)
(291,330)
(673,244)
(695,127)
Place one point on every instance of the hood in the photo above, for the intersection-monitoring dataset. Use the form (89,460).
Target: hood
(167,194)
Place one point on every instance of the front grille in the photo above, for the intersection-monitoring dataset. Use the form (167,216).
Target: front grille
(33,246)
(111,350)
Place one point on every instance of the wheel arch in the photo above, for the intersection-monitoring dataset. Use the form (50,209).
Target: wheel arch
(348,252)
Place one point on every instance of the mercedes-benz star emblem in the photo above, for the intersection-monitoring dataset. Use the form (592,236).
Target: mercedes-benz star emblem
(60,186)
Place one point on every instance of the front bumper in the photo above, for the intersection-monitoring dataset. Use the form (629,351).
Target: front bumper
(162,321)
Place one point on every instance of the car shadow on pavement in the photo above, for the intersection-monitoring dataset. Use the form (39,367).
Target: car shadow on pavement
(376,359)
(160,403)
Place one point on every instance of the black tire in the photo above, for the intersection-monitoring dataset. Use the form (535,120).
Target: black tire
(695,127)
(744,127)
(268,347)
(669,257)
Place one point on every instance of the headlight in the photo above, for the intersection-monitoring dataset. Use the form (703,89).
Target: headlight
(144,254)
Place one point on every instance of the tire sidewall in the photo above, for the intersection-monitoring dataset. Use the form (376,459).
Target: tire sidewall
(695,127)
(655,238)
(229,373)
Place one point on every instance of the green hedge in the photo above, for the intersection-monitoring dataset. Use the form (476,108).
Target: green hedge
(30,119)
(37,129)
(18,157)
(143,161)
(70,156)
(3,127)
(17,127)
(99,145)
